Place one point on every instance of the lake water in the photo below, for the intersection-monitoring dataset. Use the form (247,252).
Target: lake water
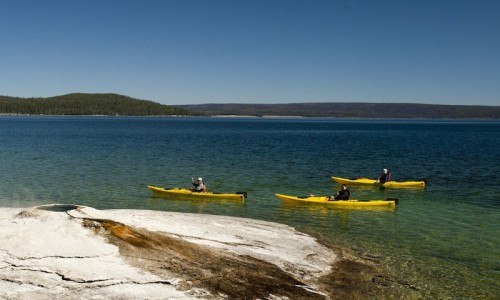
(444,241)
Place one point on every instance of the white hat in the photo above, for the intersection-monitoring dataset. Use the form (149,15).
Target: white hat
(385,170)
(200,179)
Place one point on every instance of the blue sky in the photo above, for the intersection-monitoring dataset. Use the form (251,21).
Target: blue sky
(184,52)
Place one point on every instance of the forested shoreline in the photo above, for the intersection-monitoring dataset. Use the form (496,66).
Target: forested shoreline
(351,110)
(120,105)
(88,104)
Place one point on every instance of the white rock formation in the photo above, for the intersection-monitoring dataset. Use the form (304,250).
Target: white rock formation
(48,254)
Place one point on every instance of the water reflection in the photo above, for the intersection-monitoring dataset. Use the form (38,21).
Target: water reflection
(325,218)
(194,205)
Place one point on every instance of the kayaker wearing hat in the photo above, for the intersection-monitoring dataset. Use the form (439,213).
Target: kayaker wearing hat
(385,176)
(199,186)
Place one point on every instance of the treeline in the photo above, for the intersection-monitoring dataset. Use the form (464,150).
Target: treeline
(352,110)
(88,104)
(114,104)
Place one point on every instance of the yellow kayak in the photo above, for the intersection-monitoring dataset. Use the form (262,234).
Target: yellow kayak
(390,184)
(343,203)
(179,192)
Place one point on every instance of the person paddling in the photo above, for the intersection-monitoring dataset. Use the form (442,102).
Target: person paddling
(385,176)
(199,186)
(343,194)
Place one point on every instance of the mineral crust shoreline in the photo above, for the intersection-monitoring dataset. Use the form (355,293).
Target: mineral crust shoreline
(74,252)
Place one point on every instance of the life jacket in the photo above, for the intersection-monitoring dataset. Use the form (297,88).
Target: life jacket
(385,177)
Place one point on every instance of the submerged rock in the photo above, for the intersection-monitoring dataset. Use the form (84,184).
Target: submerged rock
(74,251)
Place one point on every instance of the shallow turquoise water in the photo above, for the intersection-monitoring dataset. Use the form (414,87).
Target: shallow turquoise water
(444,240)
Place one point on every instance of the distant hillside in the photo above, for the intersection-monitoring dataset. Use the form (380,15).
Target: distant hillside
(87,104)
(352,110)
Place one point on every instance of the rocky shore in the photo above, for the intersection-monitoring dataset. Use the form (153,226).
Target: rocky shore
(75,252)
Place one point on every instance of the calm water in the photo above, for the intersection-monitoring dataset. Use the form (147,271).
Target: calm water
(444,240)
